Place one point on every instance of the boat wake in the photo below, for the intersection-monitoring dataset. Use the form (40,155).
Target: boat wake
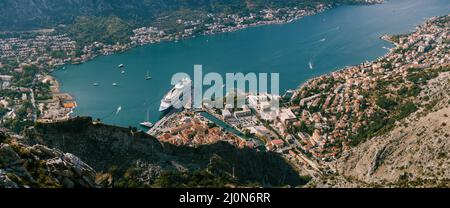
(310,64)
(119,109)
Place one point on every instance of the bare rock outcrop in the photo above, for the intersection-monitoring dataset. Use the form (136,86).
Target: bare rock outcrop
(25,166)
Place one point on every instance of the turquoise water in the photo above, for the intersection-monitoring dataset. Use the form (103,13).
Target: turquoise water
(343,36)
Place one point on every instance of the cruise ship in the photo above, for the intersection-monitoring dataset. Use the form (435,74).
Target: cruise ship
(175,95)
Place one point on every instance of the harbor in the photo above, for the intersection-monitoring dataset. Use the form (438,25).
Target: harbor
(289,54)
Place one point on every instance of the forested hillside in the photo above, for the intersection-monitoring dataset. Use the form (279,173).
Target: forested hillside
(33,14)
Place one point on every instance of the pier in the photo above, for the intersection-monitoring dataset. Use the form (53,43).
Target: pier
(162,122)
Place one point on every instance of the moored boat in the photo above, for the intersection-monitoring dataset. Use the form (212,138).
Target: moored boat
(147,124)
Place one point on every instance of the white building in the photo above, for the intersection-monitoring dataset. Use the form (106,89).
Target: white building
(6,78)
(262,131)
(286,116)
(226,114)
(243,113)
(265,105)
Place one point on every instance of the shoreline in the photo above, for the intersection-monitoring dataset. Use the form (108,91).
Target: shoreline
(351,66)
(170,37)
(385,37)
(61,102)
(122,48)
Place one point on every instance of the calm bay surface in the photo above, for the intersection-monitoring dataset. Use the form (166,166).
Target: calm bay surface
(339,37)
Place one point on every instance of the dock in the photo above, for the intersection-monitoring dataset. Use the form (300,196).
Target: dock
(152,131)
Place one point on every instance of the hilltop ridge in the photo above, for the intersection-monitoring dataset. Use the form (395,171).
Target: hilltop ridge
(36,14)
(120,157)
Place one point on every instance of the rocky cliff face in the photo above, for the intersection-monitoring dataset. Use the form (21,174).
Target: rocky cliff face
(44,156)
(123,158)
(416,153)
(37,166)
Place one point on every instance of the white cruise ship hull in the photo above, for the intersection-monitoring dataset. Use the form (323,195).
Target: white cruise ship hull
(175,96)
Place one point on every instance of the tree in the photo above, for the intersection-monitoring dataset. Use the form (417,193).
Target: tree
(3,111)
(386,103)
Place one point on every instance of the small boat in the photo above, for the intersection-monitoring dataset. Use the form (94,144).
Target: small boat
(115,84)
(119,109)
(147,124)
(95,84)
(148,77)
(310,65)
(120,65)
(323,40)
(122,72)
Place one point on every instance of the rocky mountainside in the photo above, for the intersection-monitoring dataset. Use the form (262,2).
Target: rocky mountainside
(416,153)
(120,157)
(24,165)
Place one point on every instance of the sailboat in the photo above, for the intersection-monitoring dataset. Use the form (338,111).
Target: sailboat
(148,77)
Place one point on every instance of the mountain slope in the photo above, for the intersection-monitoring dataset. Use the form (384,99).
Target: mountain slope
(24,165)
(48,13)
(414,154)
(140,159)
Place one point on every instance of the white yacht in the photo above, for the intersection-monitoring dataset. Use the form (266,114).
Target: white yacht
(175,95)
(147,124)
